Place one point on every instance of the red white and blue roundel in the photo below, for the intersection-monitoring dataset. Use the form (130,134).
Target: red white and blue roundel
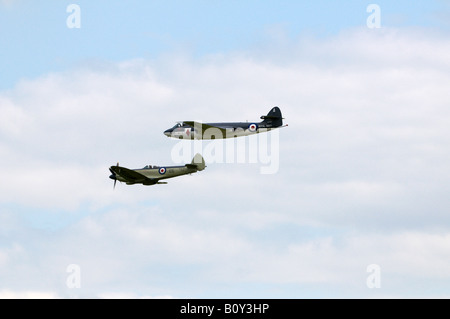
(162,170)
(253,127)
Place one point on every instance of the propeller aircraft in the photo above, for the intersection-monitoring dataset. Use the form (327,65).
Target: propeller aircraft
(151,175)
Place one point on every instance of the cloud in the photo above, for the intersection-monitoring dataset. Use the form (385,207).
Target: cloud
(146,253)
(362,179)
(130,296)
(6,294)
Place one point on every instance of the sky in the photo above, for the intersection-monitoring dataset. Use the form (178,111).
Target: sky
(349,201)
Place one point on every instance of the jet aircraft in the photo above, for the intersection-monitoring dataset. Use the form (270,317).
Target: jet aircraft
(210,131)
(151,175)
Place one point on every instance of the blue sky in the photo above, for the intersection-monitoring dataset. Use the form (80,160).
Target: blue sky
(37,40)
(362,170)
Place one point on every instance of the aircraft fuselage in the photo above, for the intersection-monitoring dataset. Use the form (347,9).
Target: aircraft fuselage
(151,175)
(159,173)
(210,131)
(216,131)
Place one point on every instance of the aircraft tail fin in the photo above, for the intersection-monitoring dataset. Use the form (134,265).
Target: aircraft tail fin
(273,118)
(198,162)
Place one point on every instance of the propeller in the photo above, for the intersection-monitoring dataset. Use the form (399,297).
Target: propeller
(113,176)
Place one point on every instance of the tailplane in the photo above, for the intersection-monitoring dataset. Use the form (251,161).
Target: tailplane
(273,118)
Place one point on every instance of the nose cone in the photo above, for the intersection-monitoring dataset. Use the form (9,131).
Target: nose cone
(113,175)
(168,132)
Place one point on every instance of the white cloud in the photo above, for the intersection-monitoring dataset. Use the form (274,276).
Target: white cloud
(112,295)
(145,253)
(7,294)
(363,171)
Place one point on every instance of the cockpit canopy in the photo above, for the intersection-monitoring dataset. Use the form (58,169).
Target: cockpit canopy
(150,167)
(178,125)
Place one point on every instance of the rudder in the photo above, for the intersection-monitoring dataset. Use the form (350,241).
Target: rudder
(199,162)
(273,118)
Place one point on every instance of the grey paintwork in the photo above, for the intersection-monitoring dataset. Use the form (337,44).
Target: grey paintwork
(206,131)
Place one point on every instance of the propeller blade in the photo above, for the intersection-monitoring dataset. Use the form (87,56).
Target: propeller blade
(113,176)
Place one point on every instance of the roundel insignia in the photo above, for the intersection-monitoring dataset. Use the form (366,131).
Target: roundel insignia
(162,170)
(253,127)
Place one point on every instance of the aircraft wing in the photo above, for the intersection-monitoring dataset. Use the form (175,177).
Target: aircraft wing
(212,129)
(132,176)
